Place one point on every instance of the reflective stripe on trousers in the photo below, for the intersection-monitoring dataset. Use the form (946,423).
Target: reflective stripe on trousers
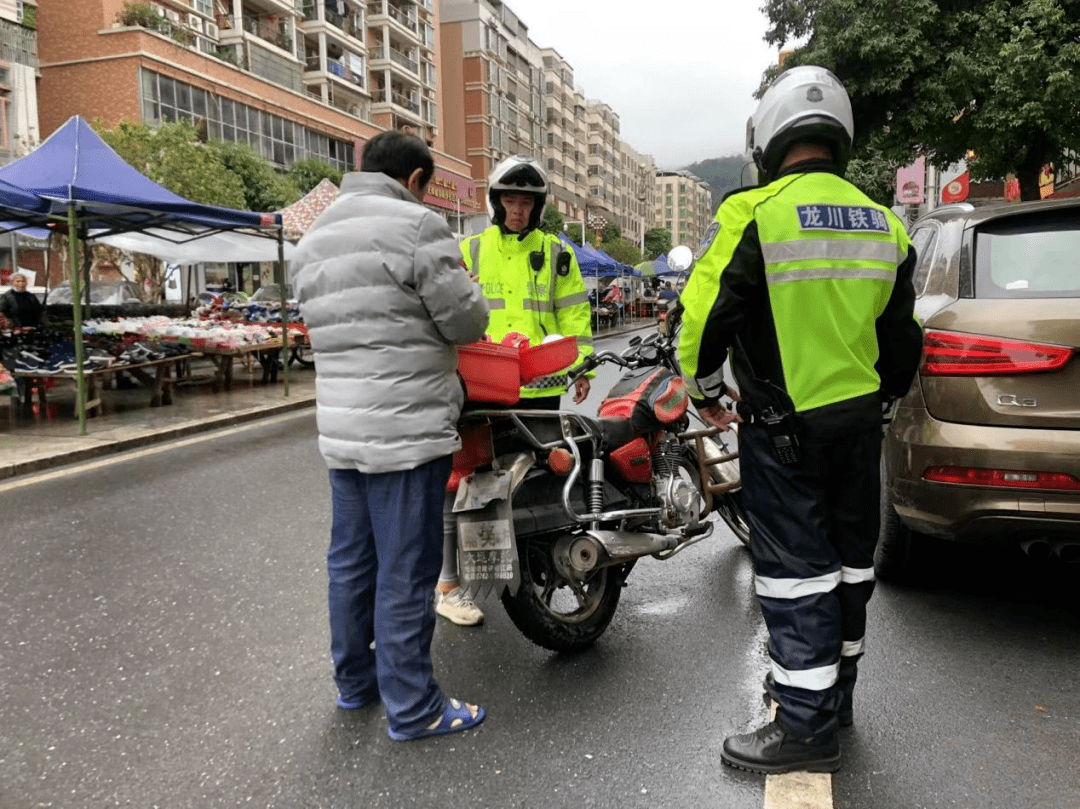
(813,527)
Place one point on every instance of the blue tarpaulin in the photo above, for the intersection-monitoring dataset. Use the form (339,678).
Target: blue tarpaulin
(83,181)
(74,166)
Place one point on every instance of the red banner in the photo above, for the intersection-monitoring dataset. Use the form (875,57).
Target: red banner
(956,190)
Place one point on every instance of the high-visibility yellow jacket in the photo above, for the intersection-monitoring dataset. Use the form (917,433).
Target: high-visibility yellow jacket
(808,283)
(534,287)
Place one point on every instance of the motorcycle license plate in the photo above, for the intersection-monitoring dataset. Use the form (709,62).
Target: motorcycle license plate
(487,554)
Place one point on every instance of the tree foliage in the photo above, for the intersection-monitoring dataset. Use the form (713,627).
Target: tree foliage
(308,172)
(552,221)
(264,188)
(173,156)
(941,77)
(657,243)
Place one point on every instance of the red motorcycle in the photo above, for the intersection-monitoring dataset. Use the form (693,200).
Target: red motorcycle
(555,508)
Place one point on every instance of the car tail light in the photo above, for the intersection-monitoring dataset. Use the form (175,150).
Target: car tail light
(949,353)
(1002,478)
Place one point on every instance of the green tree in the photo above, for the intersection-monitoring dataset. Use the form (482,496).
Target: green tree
(657,243)
(621,250)
(612,233)
(174,156)
(941,77)
(264,188)
(552,221)
(308,172)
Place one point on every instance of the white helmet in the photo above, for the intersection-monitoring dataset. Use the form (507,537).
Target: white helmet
(803,103)
(520,174)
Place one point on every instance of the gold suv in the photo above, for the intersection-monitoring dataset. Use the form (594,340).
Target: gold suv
(986,446)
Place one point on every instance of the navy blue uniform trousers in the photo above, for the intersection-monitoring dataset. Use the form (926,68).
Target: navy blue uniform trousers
(813,528)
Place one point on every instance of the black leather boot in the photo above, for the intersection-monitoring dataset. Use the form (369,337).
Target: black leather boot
(771,750)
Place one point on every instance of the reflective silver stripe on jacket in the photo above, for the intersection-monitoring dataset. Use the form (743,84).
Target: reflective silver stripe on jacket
(537,306)
(819,679)
(496,303)
(839,273)
(572,300)
(856,575)
(474,253)
(852,648)
(712,384)
(834,249)
(584,341)
(796,588)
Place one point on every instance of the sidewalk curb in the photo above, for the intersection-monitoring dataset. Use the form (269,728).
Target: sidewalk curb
(18,468)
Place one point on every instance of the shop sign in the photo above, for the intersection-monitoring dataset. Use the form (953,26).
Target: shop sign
(910,183)
(450,191)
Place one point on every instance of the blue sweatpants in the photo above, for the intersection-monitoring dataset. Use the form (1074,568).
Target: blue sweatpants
(383,564)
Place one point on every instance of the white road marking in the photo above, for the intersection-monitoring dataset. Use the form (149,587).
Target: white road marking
(131,455)
(797,790)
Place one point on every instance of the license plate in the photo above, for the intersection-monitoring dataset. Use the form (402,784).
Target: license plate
(484,535)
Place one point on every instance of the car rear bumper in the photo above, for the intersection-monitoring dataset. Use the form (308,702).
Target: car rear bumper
(916,441)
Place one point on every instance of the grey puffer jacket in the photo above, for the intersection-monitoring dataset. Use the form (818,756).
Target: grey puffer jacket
(385,301)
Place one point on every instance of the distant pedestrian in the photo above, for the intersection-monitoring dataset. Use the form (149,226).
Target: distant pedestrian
(385,301)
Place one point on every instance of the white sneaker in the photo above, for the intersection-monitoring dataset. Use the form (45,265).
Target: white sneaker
(458,607)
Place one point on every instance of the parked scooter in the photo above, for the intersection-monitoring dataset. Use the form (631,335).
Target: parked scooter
(555,508)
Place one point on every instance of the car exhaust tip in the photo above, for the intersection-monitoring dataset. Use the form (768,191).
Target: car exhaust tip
(1038,549)
(1067,550)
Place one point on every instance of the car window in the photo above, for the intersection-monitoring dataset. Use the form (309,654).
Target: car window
(924,239)
(1034,256)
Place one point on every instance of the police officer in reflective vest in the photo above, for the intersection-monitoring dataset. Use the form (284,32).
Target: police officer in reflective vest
(532,283)
(807,283)
(533,287)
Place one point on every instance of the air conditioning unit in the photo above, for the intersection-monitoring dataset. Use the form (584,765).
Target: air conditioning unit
(211,30)
(160,10)
(174,16)
(195,21)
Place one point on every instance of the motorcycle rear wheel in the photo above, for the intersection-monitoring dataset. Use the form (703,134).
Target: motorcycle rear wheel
(546,609)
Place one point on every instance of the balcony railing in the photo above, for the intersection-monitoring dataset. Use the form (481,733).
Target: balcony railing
(260,27)
(386,8)
(342,70)
(404,102)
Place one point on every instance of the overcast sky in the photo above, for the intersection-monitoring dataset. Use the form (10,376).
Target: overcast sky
(680,74)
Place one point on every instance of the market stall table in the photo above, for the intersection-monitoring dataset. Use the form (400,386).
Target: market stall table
(268,355)
(159,380)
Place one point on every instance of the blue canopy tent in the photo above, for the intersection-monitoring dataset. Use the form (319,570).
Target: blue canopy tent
(81,179)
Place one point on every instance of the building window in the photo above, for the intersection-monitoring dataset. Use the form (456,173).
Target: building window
(279,140)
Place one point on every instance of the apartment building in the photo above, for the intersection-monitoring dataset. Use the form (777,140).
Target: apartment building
(639,194)
(18,78)
(683,206)
(493,77)
(293,78)
(566,140)
(606,198)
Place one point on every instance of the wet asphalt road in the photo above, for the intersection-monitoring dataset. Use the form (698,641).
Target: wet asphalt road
(163,642)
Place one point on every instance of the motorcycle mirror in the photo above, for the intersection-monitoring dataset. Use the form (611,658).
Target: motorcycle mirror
(681,258)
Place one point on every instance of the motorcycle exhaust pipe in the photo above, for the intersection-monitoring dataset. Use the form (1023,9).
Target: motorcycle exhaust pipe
(595,549)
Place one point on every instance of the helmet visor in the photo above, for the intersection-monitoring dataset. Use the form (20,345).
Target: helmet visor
(523,176)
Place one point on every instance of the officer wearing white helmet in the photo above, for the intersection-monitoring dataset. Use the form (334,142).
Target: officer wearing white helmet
(807,282)
(534,287)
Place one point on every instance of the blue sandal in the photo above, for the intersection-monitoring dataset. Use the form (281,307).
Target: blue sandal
(457,715)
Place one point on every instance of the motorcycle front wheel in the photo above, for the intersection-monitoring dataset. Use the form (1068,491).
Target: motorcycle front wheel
(549,612)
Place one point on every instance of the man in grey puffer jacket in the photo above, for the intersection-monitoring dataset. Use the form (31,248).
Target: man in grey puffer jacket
(385,302)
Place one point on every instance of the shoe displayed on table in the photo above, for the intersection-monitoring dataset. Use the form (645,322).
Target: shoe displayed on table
(771,750)
(458,607)
(456,716)
(845,717)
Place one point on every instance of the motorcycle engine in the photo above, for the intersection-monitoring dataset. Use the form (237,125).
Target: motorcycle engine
(675,486)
